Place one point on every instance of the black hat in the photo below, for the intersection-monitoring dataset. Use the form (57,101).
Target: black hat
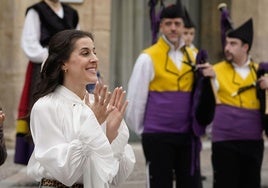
(188,23)
(173,11)
(244,32)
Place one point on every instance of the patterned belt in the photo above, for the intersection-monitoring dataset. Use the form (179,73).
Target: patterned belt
(57,184)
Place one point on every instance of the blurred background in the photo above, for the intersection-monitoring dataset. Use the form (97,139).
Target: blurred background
(121,29)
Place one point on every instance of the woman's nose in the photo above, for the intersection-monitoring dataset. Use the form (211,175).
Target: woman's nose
(94,58)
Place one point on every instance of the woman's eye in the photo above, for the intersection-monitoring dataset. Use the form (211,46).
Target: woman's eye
(88,53)
(85,53)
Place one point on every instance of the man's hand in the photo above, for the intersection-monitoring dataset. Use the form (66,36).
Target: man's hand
(207,70)
(263,82)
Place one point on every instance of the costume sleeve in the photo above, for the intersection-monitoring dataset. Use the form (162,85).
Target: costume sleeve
(215,81)
(124,153)
(137,94)
(69,155)
(30,39)
(3,151)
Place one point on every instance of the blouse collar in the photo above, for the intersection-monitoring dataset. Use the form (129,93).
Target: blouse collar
(68,94)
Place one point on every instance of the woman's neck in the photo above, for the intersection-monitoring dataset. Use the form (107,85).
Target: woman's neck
(79,90)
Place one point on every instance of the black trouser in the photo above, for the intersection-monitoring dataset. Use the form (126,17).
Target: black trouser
(168,155)
(237,164)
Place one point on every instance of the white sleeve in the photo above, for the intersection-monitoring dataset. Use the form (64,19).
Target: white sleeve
(30,39)
(124,153)
(137,93)
(68,157)
(215,83)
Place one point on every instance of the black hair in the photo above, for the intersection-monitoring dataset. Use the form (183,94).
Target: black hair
(60,48)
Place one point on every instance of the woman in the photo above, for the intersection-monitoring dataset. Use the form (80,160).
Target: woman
(78,142)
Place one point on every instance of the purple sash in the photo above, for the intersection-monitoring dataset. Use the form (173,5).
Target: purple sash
(168,112)
(233,123)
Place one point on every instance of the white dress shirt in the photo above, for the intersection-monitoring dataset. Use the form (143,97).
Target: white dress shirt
(30,39)
(243,70)
(138,86)
(72,147)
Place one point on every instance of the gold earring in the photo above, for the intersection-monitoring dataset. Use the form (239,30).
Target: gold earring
(65,70)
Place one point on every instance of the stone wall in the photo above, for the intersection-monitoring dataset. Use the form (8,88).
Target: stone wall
(258,11)
(94,17)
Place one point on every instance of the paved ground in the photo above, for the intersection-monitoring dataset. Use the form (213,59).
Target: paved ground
(14,176)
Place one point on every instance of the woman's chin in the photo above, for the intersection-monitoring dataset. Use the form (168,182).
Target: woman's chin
(92,80)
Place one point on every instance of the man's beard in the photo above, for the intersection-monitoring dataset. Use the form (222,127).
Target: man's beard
(229,56)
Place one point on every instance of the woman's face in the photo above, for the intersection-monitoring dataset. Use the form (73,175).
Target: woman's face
(81,68)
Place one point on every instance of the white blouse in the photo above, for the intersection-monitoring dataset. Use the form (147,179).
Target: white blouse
(72,147)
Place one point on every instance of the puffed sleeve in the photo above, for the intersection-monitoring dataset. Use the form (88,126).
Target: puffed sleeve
(124,153)
(65,157)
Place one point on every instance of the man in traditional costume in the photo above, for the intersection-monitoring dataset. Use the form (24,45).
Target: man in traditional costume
(237,131)
(43,20)
(160,106)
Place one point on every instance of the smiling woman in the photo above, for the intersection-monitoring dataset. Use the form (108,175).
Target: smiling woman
(79,139)
(81,67)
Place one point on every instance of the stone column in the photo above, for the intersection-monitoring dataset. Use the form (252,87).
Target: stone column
(242,11)
(210,38)
(12,62)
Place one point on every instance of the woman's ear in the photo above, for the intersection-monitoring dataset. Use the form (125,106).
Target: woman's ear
(64,67)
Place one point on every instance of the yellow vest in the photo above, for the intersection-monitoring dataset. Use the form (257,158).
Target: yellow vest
(230,82)
(167,76)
